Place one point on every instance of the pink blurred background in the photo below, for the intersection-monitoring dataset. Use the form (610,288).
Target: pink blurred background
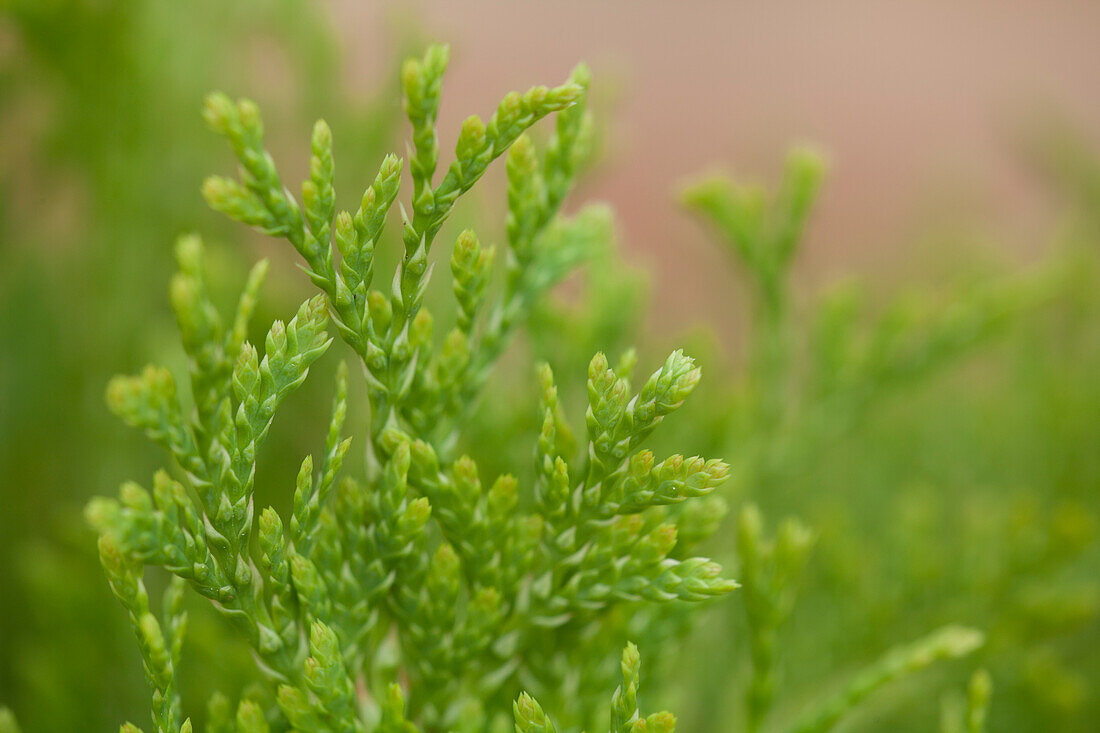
(923,108)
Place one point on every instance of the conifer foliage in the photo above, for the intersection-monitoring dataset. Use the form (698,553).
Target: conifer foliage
(421,594)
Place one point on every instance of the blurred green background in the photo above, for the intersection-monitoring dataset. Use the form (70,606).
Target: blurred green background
(941,429)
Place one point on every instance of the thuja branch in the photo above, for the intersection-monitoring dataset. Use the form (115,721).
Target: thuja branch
(470,588)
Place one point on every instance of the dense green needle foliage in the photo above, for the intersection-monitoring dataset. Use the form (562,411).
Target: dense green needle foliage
(416,571)
(420,572)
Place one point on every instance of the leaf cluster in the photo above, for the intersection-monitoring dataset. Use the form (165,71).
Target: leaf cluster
(416,595)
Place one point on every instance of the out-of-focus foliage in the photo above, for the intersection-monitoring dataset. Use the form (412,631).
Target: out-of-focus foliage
(102,152)
(938,449)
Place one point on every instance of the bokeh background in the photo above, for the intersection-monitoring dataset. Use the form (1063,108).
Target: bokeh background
(963,141)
